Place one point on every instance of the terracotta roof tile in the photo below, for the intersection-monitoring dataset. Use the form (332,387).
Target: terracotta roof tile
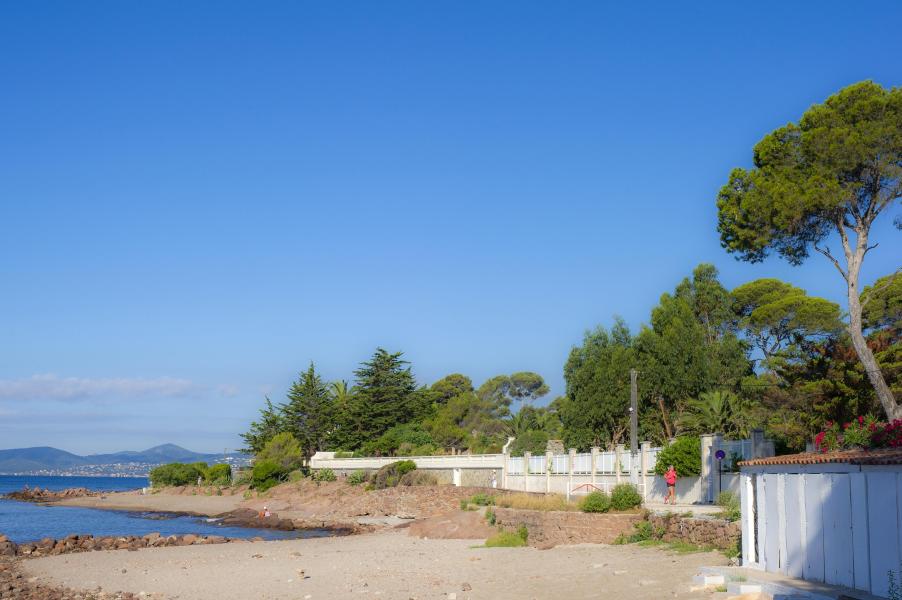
(885,456)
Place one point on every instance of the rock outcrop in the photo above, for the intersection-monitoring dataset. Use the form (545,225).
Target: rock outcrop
(36,494)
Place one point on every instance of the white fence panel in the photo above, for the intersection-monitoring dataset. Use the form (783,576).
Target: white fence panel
(605,462)
(651,459)
(537,464)
(582,463)
(560,464)
(515,465)
(626,461)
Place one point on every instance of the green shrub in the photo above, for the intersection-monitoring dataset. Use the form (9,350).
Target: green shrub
(596,502)
(220,474)
(357,477)
(390,475)
(324,475)
(685,454)
(643,531)
(344,454)
(267,473)
(625,497)
(730,504)
(399,440)
(283,450)
(505,539)
(178,474)
(418,478)
(490,516)
(296,476)
(523,532)
(482,499)
(464,504)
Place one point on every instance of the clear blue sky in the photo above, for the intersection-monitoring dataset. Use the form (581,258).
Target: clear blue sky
(198,198)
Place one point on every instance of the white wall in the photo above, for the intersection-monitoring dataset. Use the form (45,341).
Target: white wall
(842,527)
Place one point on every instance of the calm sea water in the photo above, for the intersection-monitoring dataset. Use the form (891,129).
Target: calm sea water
(24,522)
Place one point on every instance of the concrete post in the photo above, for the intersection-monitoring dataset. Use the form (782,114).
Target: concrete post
(549,456)
(706,474)
(643,467)
(505,458)
(595,451)
(571,464)
(618,466)
(757,443)
(526,457)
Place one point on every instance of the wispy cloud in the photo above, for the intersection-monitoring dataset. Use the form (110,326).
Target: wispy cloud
(53,387)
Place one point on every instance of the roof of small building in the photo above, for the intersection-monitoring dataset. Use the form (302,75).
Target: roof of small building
(885,456)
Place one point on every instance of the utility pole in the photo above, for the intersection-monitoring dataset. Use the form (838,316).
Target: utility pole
(634,427)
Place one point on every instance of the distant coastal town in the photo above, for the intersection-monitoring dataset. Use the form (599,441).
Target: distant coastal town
(128,469)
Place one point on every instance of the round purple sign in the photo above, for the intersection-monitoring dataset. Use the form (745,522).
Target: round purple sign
(720,455)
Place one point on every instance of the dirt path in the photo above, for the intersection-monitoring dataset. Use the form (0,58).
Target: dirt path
(385,565)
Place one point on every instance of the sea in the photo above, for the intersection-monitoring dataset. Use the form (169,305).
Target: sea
(26,522)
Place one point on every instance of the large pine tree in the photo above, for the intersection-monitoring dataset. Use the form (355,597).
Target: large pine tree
(386,395)
(308,413)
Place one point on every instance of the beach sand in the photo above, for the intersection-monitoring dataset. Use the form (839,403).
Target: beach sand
(389,564)
(200,504)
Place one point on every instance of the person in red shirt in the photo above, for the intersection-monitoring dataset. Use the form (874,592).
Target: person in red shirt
(670,477)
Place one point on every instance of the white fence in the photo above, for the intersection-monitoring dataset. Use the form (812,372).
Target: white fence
(327,460)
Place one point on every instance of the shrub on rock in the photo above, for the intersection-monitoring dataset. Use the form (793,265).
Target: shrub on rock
(390,475)
(267,473)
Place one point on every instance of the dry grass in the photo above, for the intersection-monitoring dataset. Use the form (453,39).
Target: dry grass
(536,502)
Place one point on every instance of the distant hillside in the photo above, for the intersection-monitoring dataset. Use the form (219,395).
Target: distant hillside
(45,458)
(41,457)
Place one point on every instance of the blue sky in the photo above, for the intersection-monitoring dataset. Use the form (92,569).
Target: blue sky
(197,199)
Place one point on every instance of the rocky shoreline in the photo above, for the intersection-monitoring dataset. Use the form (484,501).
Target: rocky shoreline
(87,543)
(36,494)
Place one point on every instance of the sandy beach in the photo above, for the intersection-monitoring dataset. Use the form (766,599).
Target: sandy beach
(389,564)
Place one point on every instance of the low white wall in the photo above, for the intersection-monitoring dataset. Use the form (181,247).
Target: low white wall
(327,460)
(653,488)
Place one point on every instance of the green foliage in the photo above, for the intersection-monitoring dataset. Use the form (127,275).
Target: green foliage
(594,410)
(720,412)
(642,532)
(685,454)
(308,413)
(266,474)
(691,347)
(357,477)
(386,395)
(523,533)
(324,475)
(390,475)
(595,502)
(173,474)
(883,303)
(490,516)
(532,441)
(450,386)
(775,315)
(262,431)
(408,436)
(729,502)
(505,539)
(220,474)
(832,173)
(624,496)
(482,499)
(283,450)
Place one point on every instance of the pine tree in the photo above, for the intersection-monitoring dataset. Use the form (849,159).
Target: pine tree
(386,395)
(309,412)
(260,432)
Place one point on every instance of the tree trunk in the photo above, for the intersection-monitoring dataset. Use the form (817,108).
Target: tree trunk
(884,393)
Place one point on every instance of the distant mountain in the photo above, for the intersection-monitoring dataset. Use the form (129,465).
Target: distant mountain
(165,453)
(19,460)
(45,458)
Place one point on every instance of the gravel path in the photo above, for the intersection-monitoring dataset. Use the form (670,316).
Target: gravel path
(388,565)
